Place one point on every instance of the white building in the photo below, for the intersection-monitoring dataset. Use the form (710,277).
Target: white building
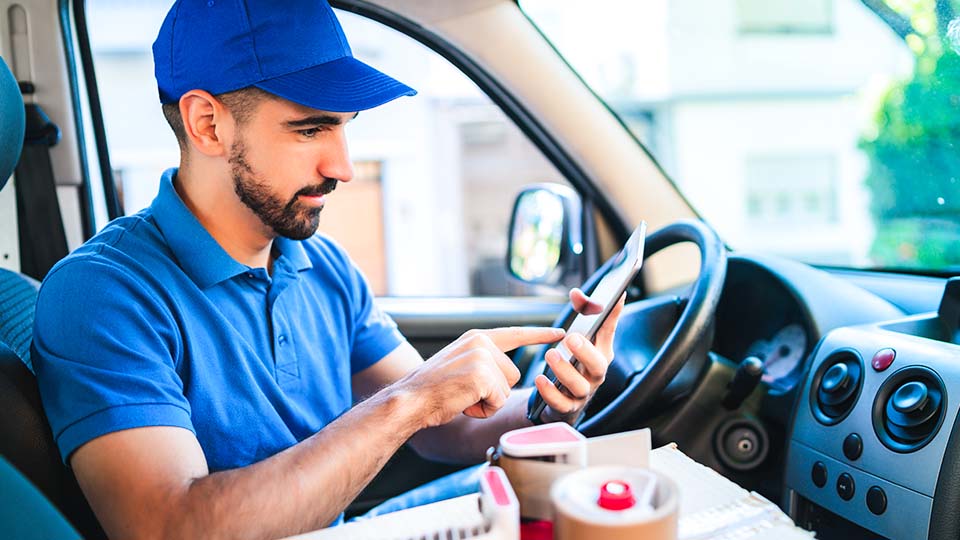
(754,108)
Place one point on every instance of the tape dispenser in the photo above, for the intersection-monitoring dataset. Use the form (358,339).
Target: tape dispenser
(535,457)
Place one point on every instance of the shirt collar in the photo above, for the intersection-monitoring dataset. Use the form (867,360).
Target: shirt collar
(293,251)
(199,254)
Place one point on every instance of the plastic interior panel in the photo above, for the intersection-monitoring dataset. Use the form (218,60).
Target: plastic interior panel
(909,479)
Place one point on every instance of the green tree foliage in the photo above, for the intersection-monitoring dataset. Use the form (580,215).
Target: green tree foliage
(914,149)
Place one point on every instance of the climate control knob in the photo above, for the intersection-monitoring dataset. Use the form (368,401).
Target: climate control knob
(835,386)
(909,408)
(910,397)
(836,378)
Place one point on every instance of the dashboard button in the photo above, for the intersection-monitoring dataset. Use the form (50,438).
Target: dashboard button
(911,397)
(852,446)
(819,474)
(836,378)
(845,486)
(876,500)
(883,359)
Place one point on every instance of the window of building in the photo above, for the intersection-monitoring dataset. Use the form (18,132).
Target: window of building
(789,190)
(785,16)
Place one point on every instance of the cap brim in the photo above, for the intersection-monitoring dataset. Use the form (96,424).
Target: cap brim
(342,85)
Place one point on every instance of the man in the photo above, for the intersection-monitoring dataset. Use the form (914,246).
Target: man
(199,360)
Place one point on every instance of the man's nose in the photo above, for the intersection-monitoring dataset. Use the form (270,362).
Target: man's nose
(335,162)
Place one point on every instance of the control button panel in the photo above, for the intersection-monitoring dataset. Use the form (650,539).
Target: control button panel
(858,496)
(900,415)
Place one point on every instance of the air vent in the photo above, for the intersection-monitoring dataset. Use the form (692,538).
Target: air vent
(908,409)
(836,386)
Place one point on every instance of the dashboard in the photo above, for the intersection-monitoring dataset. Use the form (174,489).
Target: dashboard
(782,355)
(865,395)
(777,310)
(759,316)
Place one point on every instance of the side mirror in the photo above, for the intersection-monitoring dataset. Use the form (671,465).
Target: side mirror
(546,246)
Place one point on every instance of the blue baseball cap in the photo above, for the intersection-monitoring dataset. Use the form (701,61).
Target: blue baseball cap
(294,49)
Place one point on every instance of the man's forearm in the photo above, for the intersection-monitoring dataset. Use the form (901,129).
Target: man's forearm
(304,487)
(465,440)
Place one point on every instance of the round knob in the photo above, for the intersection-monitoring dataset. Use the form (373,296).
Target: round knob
(616,495)
(835,378)
(910,397)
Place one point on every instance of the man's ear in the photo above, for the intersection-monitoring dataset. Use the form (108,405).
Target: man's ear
(207,123)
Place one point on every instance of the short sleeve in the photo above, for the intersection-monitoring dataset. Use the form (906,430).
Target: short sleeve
(374,333)
(105,351)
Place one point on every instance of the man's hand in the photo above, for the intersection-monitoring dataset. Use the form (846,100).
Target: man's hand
(579,385)
(472,375)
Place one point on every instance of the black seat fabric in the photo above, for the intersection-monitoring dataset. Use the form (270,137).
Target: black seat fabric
(27,442)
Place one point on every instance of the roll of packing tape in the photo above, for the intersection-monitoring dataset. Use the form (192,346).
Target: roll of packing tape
(532,480)
(614,503)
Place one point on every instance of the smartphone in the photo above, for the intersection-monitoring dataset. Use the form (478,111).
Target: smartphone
(607,293)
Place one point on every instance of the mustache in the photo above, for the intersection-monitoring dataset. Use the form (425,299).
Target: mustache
(327,186)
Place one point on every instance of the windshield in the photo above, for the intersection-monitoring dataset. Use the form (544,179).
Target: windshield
(822,130)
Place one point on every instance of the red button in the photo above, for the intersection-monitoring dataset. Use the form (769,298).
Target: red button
(616,495)
(883,359)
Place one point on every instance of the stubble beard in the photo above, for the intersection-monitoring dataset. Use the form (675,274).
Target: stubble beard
(289,219)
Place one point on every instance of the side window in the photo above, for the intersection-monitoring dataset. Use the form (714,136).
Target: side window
(435,175)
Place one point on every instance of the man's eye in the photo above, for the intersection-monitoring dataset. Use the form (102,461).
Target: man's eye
(309,132)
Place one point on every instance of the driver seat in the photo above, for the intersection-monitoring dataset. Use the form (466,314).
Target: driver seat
(26,440)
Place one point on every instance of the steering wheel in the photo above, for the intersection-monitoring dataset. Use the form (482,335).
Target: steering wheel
(644,360)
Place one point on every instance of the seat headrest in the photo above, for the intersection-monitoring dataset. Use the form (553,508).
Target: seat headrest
(11,123)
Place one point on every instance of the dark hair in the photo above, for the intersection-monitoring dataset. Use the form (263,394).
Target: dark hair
(241,104)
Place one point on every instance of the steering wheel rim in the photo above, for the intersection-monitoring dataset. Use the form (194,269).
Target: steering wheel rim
(644,386)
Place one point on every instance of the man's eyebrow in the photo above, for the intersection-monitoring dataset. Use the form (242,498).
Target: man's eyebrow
(318,120)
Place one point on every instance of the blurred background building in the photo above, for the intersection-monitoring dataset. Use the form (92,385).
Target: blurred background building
(753,107)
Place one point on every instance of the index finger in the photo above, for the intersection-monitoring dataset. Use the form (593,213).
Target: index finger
(511,337)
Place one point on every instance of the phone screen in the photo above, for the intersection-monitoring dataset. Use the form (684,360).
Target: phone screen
(607,293)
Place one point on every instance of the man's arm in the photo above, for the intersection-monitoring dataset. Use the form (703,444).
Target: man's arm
(462,440)
(465,439)
(153,482)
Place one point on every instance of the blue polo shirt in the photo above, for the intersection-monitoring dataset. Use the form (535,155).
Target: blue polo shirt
(152,323)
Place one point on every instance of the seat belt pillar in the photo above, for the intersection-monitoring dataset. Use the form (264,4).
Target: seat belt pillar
(43,240)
